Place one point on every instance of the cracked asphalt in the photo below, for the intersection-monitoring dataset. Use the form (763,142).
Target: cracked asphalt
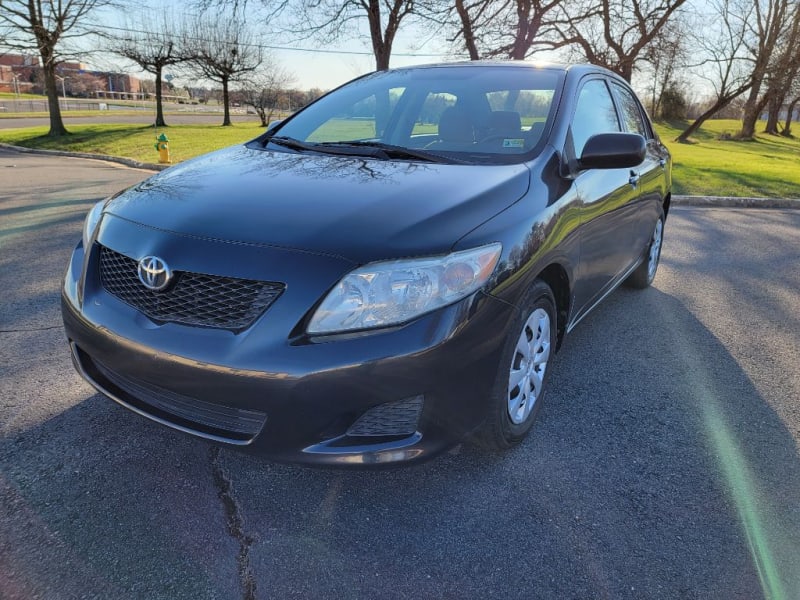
(665,462)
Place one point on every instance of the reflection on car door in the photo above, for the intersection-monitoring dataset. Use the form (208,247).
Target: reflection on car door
(650,172)
(608,201)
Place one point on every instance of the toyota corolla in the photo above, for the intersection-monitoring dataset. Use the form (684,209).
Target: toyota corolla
(385,273)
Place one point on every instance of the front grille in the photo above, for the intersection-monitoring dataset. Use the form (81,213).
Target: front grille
(193,299)
(226,423)
(392,418)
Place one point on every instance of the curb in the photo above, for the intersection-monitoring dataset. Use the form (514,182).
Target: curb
(730,202)
(677,200)
(128,162)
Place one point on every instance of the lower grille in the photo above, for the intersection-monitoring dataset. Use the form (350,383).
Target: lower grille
(194,299)
(392,418)
(207,419)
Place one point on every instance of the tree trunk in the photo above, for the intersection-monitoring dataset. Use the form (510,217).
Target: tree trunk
(382,59)
(718,106)
(57,128)
(773,114)
(226,119)
(159,106)
(752,110)
(787,130)
(468,33)
(625,69)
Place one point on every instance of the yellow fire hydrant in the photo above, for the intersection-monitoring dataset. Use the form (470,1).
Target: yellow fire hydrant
(162,145)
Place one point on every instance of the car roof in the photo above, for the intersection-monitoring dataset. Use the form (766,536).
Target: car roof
(578,68)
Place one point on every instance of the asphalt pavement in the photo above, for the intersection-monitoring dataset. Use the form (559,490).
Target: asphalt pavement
(664,463)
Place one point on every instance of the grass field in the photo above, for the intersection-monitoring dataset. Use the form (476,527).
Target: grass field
(766,167)
(13,96)
(136,141)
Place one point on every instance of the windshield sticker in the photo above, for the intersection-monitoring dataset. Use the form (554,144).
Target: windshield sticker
(513,143)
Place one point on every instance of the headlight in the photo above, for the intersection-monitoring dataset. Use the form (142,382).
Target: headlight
(388,293)
(90,224)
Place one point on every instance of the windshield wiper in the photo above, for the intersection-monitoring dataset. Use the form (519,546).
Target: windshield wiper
(289,142)
(392,151)
(362,148)
(335,148)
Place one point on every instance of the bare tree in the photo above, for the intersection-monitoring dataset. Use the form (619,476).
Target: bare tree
(667,55)
(153,44)
(45,26)
(265,91)
(782,77)
(720,42)
(223,50)
(768,27)
(84,84)
(512,29)
(787,128)
(330,20)
(618,35)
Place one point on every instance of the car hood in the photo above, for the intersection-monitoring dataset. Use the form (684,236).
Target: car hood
(357,208)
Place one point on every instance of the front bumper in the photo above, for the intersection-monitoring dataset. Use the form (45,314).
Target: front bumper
(287,396)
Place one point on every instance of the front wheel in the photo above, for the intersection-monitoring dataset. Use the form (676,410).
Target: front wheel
(523,372)
(645,273)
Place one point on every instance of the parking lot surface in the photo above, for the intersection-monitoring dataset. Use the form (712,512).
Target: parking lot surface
(664,463)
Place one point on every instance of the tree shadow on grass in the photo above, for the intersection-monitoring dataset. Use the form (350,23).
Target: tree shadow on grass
(86,133)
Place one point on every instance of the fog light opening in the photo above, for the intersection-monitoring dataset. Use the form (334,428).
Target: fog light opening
(399,418)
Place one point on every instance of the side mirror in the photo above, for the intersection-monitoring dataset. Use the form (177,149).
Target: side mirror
(273,124)
(613,151)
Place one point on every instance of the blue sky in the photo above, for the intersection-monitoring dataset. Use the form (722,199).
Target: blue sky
(312,65)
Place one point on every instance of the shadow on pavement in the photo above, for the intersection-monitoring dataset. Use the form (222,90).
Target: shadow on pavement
(656,470)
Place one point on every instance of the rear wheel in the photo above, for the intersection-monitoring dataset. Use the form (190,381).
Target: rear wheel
(645,273)
(523,372)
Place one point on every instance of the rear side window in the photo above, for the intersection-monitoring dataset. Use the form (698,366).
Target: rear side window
(631,114)
(594,113)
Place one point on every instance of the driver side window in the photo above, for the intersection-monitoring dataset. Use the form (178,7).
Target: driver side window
(594,113)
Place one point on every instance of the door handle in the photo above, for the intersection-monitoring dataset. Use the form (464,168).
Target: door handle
(662,162)
(634,178)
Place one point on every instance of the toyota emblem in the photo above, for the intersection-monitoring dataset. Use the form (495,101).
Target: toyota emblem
(154,273)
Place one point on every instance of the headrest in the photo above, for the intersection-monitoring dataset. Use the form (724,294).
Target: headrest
(455,125)
(505,120)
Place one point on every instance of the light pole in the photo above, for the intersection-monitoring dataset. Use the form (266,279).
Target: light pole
(63,91)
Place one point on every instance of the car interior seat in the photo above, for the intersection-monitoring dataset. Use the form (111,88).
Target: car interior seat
(504,123)
(532,136)
(455,130)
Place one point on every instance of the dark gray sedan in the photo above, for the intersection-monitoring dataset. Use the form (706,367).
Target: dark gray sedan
(385,273)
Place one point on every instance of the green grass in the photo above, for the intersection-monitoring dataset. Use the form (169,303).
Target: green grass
(135,141)
(768,166)
(13,96)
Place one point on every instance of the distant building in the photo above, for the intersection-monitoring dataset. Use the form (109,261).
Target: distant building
(18,73)
(119,86)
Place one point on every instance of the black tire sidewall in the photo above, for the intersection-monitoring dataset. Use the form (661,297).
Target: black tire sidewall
(640,278)
(501,431)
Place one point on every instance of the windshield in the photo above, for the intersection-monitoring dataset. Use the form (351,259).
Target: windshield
(465,113)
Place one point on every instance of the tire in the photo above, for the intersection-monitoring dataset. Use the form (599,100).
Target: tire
(523,372)
(645,273)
